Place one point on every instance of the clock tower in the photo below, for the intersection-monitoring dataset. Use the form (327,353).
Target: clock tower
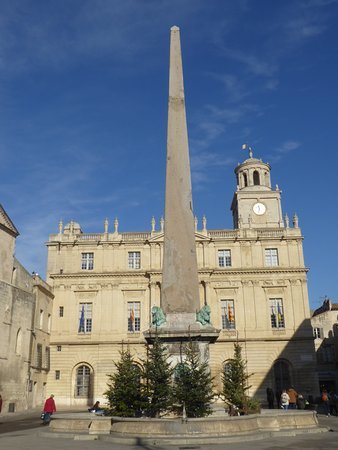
(255,203)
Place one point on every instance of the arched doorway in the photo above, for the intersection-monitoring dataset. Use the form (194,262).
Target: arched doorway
(83,384)
(282,377)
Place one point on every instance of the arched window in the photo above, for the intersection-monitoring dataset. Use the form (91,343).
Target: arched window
(18,342)
(82,388)
(138,372)
(256,180)
(281,371)
(227,368)
(245,179)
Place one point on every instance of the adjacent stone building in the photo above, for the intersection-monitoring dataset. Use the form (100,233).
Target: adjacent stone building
(325,329)
(25,317)
(253,278)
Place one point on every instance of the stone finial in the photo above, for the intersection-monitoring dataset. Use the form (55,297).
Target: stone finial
(162,224)
(286,220)
(106,223)
(196,222)
(60,227)
(204,223)
(277,187)
(295,220)
(71,227)
(247,147)
(116,225)
(153,224)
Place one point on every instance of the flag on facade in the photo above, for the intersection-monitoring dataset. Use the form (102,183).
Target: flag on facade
(279,312)
(230,314)
(132,319)
(82,320)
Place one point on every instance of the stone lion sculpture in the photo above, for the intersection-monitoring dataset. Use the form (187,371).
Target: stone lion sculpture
(157,316)
(203,315)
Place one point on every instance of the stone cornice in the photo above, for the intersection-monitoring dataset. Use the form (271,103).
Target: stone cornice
(202,272)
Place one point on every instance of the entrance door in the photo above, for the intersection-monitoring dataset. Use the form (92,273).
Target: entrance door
(282,377)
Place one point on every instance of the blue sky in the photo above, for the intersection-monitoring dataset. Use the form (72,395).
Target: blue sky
(83,114)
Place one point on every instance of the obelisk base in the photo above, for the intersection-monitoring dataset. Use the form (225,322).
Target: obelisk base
(178,330)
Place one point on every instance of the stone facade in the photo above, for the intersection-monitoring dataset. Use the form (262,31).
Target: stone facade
(325,329)
(253,278)
(25,306)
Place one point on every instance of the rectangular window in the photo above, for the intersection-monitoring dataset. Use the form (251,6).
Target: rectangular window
(134,260)
(277,313)
(87,261)
(134,317)
(271,257)
(61,310)
(47,358)
(41,319)
(85,318)
(58,348)
(38,359)
(317,333)
(57,374)
(224,258)
(49,322)
(228,314)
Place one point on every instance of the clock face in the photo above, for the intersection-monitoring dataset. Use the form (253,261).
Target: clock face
(259,208)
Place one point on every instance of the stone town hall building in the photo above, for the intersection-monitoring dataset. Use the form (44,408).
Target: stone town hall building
(253,278)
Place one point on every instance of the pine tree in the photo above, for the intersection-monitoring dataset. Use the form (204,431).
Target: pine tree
(124,391)
(235,380)
(158,379)
(193,385)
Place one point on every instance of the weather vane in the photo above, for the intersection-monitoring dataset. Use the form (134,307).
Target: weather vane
(247,147)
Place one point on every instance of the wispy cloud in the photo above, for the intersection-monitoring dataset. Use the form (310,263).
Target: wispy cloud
(45,33)
(283,149)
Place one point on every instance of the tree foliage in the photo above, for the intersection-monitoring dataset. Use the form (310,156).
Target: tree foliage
(158,379)
(193,385)
(235,380)
(124,391)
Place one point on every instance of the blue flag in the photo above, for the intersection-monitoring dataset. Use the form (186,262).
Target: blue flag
(82,321)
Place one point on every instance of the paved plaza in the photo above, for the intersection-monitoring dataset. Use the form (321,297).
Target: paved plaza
(25,432)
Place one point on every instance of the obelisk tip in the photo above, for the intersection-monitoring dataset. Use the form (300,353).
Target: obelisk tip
(174,28)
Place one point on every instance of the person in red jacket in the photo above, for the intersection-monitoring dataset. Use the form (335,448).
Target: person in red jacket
(48,409)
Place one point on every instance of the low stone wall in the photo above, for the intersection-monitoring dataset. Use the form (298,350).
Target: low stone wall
(215,425)
(87,423)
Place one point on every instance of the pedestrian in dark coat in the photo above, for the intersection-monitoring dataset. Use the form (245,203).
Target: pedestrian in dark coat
(270,397)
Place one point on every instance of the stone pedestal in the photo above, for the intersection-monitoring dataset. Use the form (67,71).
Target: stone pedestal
(178,330)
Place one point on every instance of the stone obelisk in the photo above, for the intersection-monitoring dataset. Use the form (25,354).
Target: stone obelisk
(180,293)
(180,316)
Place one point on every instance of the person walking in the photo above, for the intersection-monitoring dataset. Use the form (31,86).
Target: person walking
(326,402)
(333,404)
(49,409)
(270,397)
(292,393)
(300,401)
(284,400)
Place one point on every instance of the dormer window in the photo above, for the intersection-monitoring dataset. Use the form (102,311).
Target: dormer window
(256,180)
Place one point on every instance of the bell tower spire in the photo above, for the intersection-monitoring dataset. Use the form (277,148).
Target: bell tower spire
(255,203)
